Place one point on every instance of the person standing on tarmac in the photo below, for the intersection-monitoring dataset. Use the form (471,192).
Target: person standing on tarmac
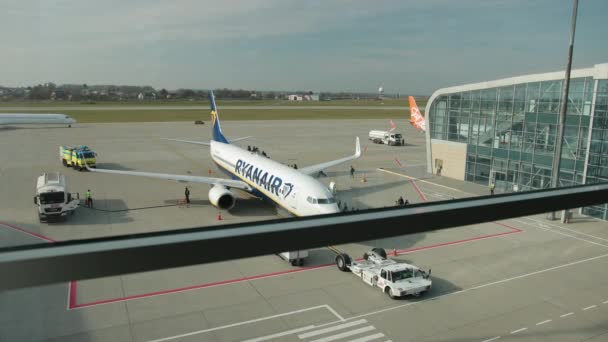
(352,172)
(187,193)
(400,202)
(492,187)
(88,199)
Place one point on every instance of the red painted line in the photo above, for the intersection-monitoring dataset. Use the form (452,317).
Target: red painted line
(40,236)
(73,288)
(420,193)
(515,230)
(365,149)
(72,294)
(74,305)
(404,251)
(398,162)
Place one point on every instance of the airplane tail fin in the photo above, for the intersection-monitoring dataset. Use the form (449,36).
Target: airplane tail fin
(416,119)
(216,127)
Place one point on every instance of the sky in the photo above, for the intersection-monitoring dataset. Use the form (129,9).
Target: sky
(408,46)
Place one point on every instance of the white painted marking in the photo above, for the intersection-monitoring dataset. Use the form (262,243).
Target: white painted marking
(543,322)
(240,323)
(590,307)
(492,339)
(478,287)
(345,334)
(568,229)
(545,228)
(605,302)
(566,315)
(425,181)
(335,313)
(518,330)
(330,329)
(281,334)
(368,338)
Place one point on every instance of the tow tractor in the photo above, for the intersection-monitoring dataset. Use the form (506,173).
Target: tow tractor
(396,279)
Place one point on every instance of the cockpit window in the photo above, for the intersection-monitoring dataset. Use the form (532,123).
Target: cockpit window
(326,200)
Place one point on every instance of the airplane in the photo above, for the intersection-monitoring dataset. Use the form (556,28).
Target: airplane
(295,190)
(416,119)
(36,119)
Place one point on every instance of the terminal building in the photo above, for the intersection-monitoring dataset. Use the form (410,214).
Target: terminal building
(505,131)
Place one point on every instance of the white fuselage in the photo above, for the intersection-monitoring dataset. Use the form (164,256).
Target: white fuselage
(295,191)
(35,119)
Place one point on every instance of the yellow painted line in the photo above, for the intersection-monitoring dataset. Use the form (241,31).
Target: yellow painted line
(334,249)
(425,181)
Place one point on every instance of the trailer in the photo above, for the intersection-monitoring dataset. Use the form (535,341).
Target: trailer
(396,279)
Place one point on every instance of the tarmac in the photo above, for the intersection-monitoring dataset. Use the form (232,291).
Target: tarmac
(523,279)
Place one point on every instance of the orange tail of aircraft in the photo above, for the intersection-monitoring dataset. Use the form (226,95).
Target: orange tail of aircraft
(416,119)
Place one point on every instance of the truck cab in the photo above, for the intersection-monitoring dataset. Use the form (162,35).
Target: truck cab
(52,199)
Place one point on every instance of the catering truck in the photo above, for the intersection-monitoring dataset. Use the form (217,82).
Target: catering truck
(52,199)
(386,137)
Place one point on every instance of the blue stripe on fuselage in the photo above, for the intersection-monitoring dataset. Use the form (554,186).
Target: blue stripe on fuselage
(254,191)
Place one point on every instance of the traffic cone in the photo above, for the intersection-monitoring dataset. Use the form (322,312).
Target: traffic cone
(219,215)
(394,251)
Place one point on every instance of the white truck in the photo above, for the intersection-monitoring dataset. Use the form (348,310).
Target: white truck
(393,278)
(52,199)
(386,137)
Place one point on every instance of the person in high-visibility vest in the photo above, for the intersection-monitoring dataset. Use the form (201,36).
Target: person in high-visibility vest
(88,199)
(492,187)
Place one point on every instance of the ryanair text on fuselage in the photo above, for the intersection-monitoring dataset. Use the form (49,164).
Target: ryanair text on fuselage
(262,178)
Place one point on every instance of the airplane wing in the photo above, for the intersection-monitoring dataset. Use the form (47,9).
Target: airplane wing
(203,142)
(313,169)
(180,178)
(189,141)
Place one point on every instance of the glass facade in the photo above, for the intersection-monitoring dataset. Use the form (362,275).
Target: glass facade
(510,133)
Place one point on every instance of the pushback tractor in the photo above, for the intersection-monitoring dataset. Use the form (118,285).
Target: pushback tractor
(396,279)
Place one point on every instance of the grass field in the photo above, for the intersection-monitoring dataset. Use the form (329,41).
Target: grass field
(220,102)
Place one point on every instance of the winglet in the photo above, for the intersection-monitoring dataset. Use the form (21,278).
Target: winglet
(357,149)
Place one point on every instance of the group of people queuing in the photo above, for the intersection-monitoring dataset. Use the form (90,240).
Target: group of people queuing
(255,149)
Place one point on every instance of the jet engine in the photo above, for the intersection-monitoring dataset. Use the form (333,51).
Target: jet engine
(221,197)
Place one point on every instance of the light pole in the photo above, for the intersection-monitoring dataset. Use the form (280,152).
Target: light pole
(557,156)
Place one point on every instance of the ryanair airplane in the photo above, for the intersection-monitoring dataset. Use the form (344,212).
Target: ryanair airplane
(35,119)
(292,189)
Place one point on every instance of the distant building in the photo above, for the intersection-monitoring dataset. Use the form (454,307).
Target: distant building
(305,97)
(504,131)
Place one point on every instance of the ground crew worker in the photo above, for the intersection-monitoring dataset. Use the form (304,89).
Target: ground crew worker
(249,148)
(295,166)
(400,202)
(352,172)
(187,193)
(492,187)
(88,200)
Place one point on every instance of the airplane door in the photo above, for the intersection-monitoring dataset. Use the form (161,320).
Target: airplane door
(294,199)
